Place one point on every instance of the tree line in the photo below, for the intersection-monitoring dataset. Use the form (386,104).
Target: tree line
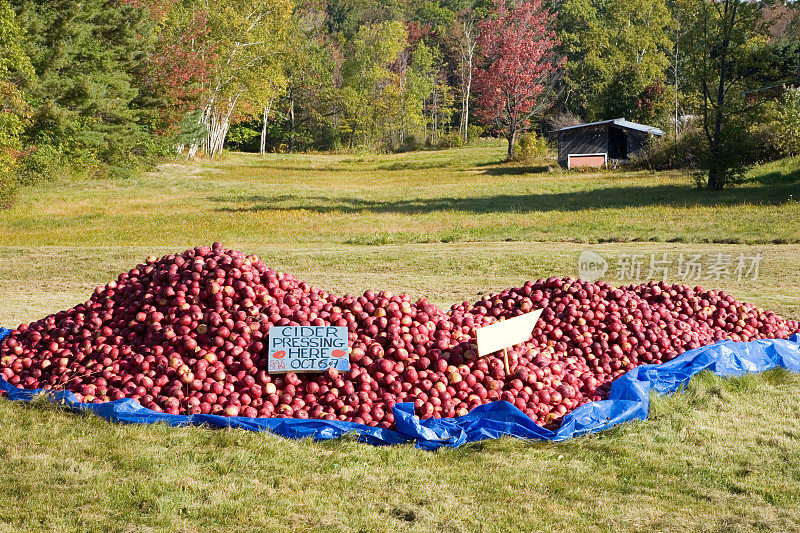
(105,86)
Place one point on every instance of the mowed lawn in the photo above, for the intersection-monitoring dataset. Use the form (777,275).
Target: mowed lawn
(721,456)
(724,455)
(446,196)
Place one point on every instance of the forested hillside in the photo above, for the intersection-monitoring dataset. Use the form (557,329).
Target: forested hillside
(102,87)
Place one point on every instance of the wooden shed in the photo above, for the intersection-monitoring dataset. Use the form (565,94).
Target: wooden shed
(598,143)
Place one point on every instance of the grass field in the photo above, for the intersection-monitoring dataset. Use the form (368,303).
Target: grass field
(722,456)
(448,196)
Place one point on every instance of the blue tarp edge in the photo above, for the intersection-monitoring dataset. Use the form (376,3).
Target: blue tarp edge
(629,400)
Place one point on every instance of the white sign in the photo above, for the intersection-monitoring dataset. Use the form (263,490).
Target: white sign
(308,348)
(506,333)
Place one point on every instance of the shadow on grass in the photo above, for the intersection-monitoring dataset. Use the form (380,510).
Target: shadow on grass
(777,178)
(270,165)
(347,166)
(605,198)
(516,171)
(416,165)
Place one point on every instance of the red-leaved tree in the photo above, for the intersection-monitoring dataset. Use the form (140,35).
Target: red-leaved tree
(517,45)
(180,58)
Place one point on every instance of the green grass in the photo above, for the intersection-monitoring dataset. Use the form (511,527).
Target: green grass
(37,280)
(450,225)
(447,196)
(708,459)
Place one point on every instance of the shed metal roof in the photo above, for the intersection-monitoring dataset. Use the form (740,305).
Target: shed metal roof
(621,122)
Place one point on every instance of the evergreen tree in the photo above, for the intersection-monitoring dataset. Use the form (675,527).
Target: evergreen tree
(87,58)
(15,70)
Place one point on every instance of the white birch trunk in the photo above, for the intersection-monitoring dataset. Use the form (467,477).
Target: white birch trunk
(263,149)
(467,56)
(466,98)
(677,36)
(218,130)
(196,144)
(461,127)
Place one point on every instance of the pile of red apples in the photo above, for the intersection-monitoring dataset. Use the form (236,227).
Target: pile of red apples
(188,333)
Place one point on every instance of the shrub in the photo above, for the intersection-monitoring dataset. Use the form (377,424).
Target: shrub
(42,164)
(787,124)
(13,115)
(474,132)
(410,144)
(774,130)
(243,137)
(327,138)
(531,148)
(664,153)
(450,140)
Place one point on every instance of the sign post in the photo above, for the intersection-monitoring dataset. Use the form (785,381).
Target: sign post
(501,335)
(308,349)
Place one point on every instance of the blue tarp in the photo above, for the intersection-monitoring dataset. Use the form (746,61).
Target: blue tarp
(629,400)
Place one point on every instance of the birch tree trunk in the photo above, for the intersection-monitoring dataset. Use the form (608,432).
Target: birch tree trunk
(264,128)
(462,128)
(468,54)
(218,122)
(466,99)
(291,120)
(194,146)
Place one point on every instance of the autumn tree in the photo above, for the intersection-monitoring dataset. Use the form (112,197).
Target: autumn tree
(248,37)
(722,37)
(517,45)
(617,54)
(180,59)
(370,88)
